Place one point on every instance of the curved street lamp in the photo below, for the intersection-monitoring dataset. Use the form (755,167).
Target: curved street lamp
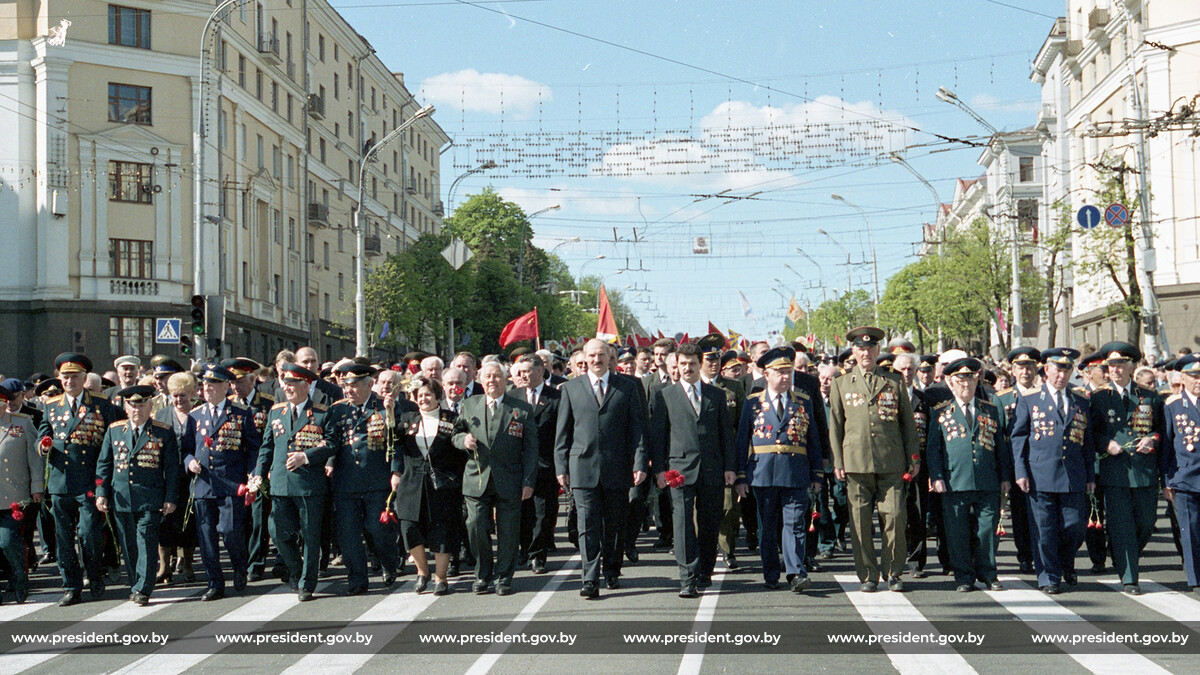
(486,166)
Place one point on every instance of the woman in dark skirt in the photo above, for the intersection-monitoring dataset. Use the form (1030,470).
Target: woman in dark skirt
(429,497)
(173,536)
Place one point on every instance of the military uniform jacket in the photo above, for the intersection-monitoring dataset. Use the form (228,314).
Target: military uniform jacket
(360,440)
(284,436)
(600,445)
(1006,400)
(225,447)
(806,383)
(506,453)
(1053,454)
(735,396)
(77,441)
(1112,419)
(871,424)
(1180,455)
(142,476)
(22,470)
(701,447)
(774,452)
(259,404)
(969,454)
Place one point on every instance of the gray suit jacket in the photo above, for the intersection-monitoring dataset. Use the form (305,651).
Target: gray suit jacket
(601,445)
(701,447)
(507,450)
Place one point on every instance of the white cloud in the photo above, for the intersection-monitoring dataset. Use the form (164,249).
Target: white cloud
(495,93)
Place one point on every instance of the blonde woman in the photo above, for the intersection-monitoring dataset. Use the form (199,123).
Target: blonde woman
(174,537)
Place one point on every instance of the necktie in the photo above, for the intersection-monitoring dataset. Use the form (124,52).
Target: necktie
(295,415)
(491,412)
(454,407)
(600,392)
(136,433)
(532,397)
(779,408)
(74,406)
(1127,400)
(1062,406)
(694,396)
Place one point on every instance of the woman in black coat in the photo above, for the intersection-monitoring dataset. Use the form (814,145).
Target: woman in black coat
(429,498)
(175,539)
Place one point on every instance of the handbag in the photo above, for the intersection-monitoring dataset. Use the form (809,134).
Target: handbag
(442,478)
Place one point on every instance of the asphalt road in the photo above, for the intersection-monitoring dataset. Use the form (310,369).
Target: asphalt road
(645,603)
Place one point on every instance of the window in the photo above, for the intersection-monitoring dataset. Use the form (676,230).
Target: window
(349,77)
(321,48)
(293,301)
(292,233)
(276,163)
(274,96)
(326,308)
(337,87)
(245,279)
(341,247)
(337,130)
(131,335)
(310,248)
(350,124)
(1025,165)
(241,71)
(276,291)
(372,98)
(277,226)
(259,146)
(289,108)
(1027,217)
(325,246)
(223,56)
(131,258)
(336,54)
(128,27)
(128,103)
(341,287)
(291,172)
(129,182)
(258,84)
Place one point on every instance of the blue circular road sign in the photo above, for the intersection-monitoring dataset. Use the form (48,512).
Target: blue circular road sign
(1088,217)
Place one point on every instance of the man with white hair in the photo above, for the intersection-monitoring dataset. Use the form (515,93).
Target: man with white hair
(431,367)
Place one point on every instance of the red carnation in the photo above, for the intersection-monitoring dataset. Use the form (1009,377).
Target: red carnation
(90,494)
(99,482)
(17,513)
(46,443)
(248,499)
(674,478)
(386,517)
(208,441)
(908,477)
(243,490)
(916,458)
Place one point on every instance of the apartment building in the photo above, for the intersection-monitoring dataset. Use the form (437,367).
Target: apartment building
(99,180)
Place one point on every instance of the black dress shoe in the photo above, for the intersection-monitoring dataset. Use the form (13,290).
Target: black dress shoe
(612,583)
(896,584)
(356,590)
(522,559)
(21,595)
(140,599)
(965,588)
(421,584)
(589,590)
(441,588)
(256,575)
(503,588)
(703,582)
(1051,589)
(631,554)
(70,598)
(1133,589)
(868,586)
(689,591)
(1026,567)
(995,586)
(452,570)
(919,574)
(389,579)
(730,560)
(814,566)
(771,584)
(47,559)
(480,587)
(799,584)
(752,542)
(1071,578)
(304,595)
(213,594)
(1098,568)
(280,572)
(97,588)
(539,566)
(239,581)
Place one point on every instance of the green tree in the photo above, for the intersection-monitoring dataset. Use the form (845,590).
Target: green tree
(416,292)
(491,227)
(833,318)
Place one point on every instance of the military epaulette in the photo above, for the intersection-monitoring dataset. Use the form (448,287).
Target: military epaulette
(160,425)
(758,395)
(802,395)
(18,415)
(198,407)
(1172,398)
(1082,391)
(984,401)
(341,401)
(266,397)
(319,408)
(100,396)
(119,424)
(238,406)
(1145,391)
(56,399)
(279,406)
(1104,387)
(944,404)
(1004,391)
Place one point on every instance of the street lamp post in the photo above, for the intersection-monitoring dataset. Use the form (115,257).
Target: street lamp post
(871,241)
(843,250)
(486,166)
(525,242)
(360,305)
(950,97)
(820,272)
(940,226)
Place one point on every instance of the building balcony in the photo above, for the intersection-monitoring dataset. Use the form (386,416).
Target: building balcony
(318,214)
(268,49)
(138,287)
(372,245)
(315,107)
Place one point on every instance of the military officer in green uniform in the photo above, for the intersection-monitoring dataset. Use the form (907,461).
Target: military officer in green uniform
(293,458)
(245,392)
(138,481)
(874,439)
(75,422)
(970,466)
(1127,421)
(1025,362)
(711,348)
(357,430)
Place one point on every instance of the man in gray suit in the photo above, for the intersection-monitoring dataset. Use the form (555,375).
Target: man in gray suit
(599,453)
(498,432)
(691,432)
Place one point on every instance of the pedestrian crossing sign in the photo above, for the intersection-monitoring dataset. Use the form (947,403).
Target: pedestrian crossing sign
(166,331)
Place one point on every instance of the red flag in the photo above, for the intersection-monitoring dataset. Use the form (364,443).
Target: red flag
(713,329)
(606,325)
(684,339)
(524,327)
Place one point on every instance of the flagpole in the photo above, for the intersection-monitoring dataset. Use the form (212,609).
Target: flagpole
(537,338)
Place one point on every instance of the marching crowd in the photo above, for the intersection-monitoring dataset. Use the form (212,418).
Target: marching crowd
(297,467)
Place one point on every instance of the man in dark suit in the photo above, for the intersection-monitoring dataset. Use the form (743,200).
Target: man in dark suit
(540,513)
(712,359)
(599,453)
(691,431)
(498,432)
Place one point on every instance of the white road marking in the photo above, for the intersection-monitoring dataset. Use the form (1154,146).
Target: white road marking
(1171,604)
(882,607)
(693,658)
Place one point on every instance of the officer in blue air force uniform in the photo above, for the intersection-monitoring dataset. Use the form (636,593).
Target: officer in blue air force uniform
(138,477)
(779,456)
(76,422)
(1054,455)
(226,446)
(1180,462)
(970,466)
(292,458)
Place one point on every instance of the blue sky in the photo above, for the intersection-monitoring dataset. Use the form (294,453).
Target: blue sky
(662,77)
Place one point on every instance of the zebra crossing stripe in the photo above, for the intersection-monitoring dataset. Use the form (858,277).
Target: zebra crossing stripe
(883,607)
(32,604)
(693,658)
(258,611)
(396,610)
(1032,606)
(488,659)
(19,659)
(1171,604)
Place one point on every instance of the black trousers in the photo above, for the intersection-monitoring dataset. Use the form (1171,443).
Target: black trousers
(639,496)
(601,515)
(539,515)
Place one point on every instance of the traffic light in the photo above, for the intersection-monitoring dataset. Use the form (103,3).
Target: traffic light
(197,315)
(185,345)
